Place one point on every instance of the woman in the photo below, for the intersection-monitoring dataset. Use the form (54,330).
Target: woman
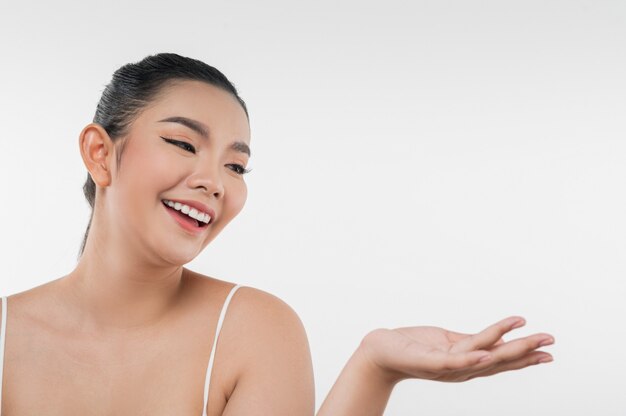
(130,331)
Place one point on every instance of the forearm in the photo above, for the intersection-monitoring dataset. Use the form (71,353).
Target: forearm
(359,390)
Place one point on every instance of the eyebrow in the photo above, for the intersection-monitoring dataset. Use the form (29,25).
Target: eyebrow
(203,131)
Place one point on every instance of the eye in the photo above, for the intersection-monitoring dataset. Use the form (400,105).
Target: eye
(240,170)
(183,145)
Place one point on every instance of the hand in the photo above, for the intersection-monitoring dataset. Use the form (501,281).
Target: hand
(437,354)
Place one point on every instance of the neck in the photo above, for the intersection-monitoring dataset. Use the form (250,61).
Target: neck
(115,289)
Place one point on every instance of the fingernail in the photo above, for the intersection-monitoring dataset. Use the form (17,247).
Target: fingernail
(547,341)
(545,360)
(517,324)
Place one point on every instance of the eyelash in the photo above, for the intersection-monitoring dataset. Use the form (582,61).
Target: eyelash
(240,170)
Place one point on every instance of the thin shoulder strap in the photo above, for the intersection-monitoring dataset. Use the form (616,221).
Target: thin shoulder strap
(207,381)
(3,331)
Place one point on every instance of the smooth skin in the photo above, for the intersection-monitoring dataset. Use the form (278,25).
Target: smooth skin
(129,330)
(386,357)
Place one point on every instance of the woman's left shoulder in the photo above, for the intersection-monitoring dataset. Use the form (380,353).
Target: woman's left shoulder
(255,311)
(268,355)
(265,316)
(265,352)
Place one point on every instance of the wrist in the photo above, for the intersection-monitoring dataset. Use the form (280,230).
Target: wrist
(363,388)
(365,360)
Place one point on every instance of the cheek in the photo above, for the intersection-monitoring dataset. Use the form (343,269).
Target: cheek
(235,199)
(238,199)
(233,204)
(147,169)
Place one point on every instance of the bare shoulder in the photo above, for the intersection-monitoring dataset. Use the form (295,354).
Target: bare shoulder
(263,353)
(256,321)
(262,323)
(275,373)
(35,304)
(265,309)
(257,312)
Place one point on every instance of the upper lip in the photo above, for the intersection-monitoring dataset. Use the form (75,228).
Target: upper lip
(197,205)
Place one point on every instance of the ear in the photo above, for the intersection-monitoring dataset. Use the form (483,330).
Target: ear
(97,151)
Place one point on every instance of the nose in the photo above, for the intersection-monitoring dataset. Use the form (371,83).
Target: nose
(208,179)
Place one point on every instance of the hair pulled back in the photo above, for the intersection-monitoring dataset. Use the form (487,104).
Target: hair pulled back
(133,87)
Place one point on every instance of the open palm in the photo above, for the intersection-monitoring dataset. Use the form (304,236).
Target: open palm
(433,353)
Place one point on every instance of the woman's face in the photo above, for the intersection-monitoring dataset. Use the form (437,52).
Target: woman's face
(190,144)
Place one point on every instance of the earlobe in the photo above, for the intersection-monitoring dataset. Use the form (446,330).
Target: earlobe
(96,149)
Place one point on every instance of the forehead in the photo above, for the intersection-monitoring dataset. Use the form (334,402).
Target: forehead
(210,105)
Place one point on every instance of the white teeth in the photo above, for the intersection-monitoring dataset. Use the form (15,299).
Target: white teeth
(192,212)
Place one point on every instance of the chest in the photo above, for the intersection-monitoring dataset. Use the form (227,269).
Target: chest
(50,372)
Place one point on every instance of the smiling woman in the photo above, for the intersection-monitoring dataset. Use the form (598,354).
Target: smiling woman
(131,331)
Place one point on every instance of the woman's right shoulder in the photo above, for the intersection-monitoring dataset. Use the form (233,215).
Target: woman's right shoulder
(29,302)
(4,305)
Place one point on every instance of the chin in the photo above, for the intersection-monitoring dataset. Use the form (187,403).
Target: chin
(179,258)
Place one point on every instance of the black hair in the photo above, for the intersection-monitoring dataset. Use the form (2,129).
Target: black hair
(133,87)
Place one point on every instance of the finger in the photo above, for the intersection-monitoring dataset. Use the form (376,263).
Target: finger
(441,362)
(534,358)
(489,336)
(515,349)
(459,336)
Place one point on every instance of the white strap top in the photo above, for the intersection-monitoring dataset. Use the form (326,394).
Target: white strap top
(220,321)
(207,381)
(3,338)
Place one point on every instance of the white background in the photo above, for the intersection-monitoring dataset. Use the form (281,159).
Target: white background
(442,163)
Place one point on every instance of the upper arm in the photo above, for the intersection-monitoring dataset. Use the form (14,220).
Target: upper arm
(277,373)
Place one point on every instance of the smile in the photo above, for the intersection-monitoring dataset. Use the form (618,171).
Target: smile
(189,218)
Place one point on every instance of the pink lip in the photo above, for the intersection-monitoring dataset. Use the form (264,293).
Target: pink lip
(183,223)
(197,205)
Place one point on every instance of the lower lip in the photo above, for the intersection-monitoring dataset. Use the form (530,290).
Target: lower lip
(186,224)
